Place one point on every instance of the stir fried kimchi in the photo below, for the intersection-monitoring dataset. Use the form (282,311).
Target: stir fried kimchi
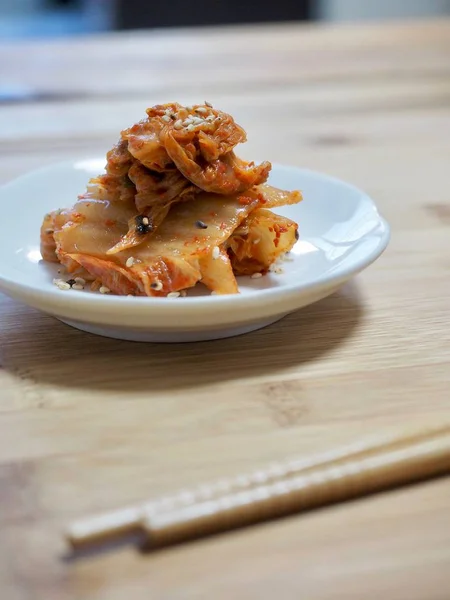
(175,206)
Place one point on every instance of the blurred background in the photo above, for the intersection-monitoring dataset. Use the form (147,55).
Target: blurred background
(55,18)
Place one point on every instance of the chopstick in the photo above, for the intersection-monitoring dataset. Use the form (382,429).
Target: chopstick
(279,490)
(128,520)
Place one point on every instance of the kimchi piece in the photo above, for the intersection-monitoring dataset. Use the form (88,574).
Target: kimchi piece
(176,206)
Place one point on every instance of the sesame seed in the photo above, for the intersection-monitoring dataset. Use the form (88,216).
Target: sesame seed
(178,124)
(104,290)
(208,104)
(201,110)
(201,225)
(278,271)
(210,118)
(78,286)
(216,252)
(188,121)
(156,285)
(143,225)
(80,281)
(190,127)
(197,121)
(166,118)
(173,294)
(256,275)
(130,262)
(62,285)
(256,241)
(189,107)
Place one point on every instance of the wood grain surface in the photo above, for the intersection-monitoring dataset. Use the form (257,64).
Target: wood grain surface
(88,424)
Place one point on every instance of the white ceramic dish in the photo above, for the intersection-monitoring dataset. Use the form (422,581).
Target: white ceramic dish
(341,233)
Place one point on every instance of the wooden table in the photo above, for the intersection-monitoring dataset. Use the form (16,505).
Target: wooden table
(88,423)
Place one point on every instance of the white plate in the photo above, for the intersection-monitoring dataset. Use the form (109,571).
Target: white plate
(341,233)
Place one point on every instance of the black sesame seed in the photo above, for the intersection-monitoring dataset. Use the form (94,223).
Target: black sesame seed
(201,225)
(297,234)
(143,225)
(71,282)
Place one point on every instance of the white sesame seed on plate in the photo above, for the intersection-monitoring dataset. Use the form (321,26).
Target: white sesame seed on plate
(208,104)
(201,110)
(78,286)
(80,280)
(216,252)
(145,221)
(173,294)
(178,124)
(190,127)
(188,121)
(166,118)
(197,121)
(256,241)
(104,290)
(130,262)
(210,118)
(256,275)
(62,285)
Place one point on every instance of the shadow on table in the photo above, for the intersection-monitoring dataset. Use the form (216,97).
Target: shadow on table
(43,350)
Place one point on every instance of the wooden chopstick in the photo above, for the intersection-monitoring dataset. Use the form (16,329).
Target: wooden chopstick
(128,520)
(283,489)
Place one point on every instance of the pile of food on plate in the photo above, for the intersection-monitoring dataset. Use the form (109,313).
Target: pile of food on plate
(175,207)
